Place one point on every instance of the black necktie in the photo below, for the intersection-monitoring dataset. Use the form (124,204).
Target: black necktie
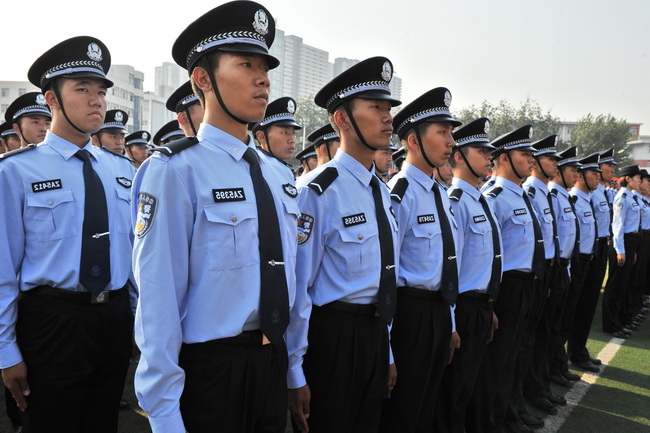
(593,212)
(636,200)
(576,244)
(556,241)
(95,267)
(449,279)
(495,278)
(274,294)
(387,280)
(611,210)
(538,251)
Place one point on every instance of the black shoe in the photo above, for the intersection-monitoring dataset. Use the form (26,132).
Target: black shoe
(619,334)
(124,404)
(632,326)
(595,361)
(626,331)
(560,380)
(570,376)
(542,403)
(517,427)
(557,400)
(587,366)
(531,421)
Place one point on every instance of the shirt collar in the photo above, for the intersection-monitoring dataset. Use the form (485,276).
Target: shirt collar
(580,193)
(418,175)
(355,168)
(466,187)
(539,185)
(224,141)
(505,183)
(64,148)
(560,189)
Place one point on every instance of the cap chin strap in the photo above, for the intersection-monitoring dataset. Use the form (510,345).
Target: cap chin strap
(585,179)
(346,105)
(539,164)
(562,176)
(22,134)
(462,154)
(209,69)
(268,143)
(424,154)
(189,118)
(514,170)
(327,148)
(58,97)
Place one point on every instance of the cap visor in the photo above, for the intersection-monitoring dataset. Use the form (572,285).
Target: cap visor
(249,49)
(108,82)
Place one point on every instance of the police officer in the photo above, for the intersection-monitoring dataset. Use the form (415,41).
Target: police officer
(444,175)
(137,147)
(30,117)
(276,132)
(347,254)
(428,275)
(170,132)
(326,142)
(479,274)
(215,245)
(626,226)
(308,159)
(593,284)
(188,109)
(8,138)
(398,158)
(67,321)
(581,265)
(523,262)
(111,134)
(383,158)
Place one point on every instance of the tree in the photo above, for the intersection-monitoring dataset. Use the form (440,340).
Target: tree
(505,118)
(311,117)
(595,134)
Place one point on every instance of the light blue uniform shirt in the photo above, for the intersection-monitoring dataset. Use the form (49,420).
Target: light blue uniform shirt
(566,219)
(627,214)
(41,221)
(517,233)
(339,252)
(539,200)
(586,220)
(196,258)
(475,246)
(645,211)
(601,206)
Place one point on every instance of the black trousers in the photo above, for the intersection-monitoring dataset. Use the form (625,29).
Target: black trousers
(234,385)
(473,323)
(634,300)
(618,283)
(587,303)
(420,340)
(580,268)
(487,408)
(77,356)
(346,366)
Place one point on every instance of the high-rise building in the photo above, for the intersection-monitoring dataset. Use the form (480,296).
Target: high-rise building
(168,78)
(126,94)
(10,90)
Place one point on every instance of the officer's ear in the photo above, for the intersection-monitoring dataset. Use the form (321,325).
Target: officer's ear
(259,136)
(51,99)
(201,79)
(412,140)
(341,119)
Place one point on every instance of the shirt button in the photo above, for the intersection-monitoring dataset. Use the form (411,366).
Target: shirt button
(430,233)
(360,237)
(50,203)
(233,219)
(234,149)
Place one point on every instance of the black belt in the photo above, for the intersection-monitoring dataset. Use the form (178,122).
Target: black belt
(75,297)
(476,296)
(246,338)
(603,239)
(564,262)
(346,307)
(586,257)
(549,263)
(519,275)
(645,232)
(633,234)
(426,295)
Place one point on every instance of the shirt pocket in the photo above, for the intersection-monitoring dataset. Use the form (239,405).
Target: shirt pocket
(51,215)
(479,240)
(424,241)
(123,210)
(358,248)
(232,235)
(586,225)
(518,228)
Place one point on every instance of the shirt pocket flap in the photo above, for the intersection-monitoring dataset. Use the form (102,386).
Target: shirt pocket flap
(425,230)
(123,194)
(291,207)
(50,199)
(230,213)
(358,234)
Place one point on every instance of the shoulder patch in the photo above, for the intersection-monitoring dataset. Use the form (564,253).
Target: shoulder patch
(532,191)
(17,151)
(117,154)
(324,180)
(495,191)
(305,227)
(456,194)
(399,189)
(147,204)
(177,146)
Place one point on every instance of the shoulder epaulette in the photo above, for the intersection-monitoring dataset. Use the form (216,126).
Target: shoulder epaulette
(456,194)
(117,154)
(532,191)
(177,146)
(17,151)
(324,180)
(495,191)
(398,191)
(554,192)
(573,199)
(622,195)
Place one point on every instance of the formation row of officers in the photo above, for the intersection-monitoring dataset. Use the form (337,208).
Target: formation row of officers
(358,306)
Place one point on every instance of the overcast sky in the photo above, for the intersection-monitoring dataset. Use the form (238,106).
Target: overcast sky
(572,56)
